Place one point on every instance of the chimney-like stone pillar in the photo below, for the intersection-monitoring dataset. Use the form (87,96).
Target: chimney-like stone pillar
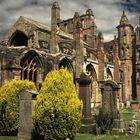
(55,18)
(79,57)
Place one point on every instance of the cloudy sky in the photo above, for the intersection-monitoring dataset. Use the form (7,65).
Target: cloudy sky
(107,12)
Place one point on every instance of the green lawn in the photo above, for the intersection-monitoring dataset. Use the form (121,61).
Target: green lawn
(127,115)
(8,138)
(105,137)
(89,137)
(11,138)
(138,130)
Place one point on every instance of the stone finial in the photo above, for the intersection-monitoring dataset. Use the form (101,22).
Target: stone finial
(124,19)
(138,26)
(77,19)
(89,12)
(115,38)
(76,15)
(139,20)
(84,79)
(55,5)
(100,35)
(84,75)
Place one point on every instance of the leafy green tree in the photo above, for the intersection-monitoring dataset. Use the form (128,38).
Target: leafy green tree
(9,105)
(58,110)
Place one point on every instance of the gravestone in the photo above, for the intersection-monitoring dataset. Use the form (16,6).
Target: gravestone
(110,101)
(27,100)
(85,95)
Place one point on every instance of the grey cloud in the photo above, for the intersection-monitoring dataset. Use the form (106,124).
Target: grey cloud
(130,5)
(107,12)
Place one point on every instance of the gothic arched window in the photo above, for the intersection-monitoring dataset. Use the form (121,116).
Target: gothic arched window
(31,68)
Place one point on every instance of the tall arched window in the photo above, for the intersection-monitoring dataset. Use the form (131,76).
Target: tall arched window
(18,39)
(31,67)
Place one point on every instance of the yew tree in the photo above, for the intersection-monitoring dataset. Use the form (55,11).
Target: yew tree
(9,105)
(58,110)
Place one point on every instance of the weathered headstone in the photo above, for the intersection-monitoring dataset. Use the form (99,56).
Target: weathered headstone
(27,100)
(85,94)
(110,102)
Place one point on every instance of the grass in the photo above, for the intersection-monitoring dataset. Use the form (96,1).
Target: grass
(7,138)
(85,136)
(127,115)
(105,137)
(138,130)
(80,136)
(11,138)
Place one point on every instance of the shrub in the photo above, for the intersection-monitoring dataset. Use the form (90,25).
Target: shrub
(58,110)
(9,105)
(104,120)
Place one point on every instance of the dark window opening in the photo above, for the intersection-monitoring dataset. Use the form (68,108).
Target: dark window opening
(85,37)
(111,49)
(25,74)
(19,39)
(66,64)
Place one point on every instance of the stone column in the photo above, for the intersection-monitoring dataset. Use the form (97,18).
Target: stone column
(85,95)
(27,100)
